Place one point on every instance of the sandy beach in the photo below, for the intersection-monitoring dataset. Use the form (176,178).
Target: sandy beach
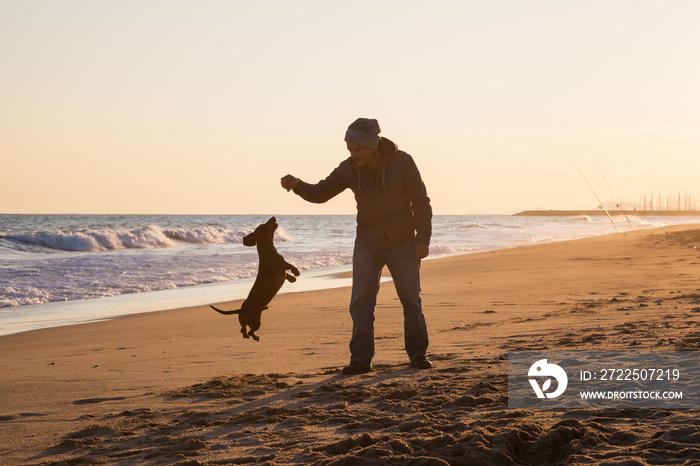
(183,387)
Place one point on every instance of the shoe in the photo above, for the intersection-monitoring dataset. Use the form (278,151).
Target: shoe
(356,368)
(421,362)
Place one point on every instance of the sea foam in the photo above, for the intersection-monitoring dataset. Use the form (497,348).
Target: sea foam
(96,240)
(149,237)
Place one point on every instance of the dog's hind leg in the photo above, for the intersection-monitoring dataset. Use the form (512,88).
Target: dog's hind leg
(244,324)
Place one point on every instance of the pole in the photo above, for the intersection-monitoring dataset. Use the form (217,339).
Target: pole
(615,198)
(592,190)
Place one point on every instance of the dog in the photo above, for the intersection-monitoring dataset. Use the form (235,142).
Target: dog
(272,272)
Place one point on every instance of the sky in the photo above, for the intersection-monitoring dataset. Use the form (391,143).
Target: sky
(188,107)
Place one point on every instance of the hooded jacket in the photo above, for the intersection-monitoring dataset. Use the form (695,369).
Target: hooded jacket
(392,202)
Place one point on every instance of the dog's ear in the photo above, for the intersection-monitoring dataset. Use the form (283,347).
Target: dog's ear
(249,240)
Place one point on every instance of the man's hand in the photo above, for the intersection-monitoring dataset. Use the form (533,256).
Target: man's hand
(422,251)
(290,182)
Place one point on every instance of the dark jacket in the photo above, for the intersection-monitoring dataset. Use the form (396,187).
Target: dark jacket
(392,202)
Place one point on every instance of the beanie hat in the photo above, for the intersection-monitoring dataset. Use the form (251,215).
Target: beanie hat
(364,131)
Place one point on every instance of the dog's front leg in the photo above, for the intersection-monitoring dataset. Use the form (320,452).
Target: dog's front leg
(288,266)
(289,278)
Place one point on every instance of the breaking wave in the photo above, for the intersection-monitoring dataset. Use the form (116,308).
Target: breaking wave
(150,237)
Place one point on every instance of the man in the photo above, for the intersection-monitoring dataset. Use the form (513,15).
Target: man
(393,229)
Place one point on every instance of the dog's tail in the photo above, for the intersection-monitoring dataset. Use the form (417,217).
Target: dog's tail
(226,313)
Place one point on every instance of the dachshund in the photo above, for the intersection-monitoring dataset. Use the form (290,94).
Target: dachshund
(272,272)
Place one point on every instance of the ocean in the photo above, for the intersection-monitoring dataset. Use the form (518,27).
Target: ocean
(66,269)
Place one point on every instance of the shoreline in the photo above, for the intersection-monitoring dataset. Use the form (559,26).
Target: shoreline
(28,317)
(163,278)
(81,312)
(168,386)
